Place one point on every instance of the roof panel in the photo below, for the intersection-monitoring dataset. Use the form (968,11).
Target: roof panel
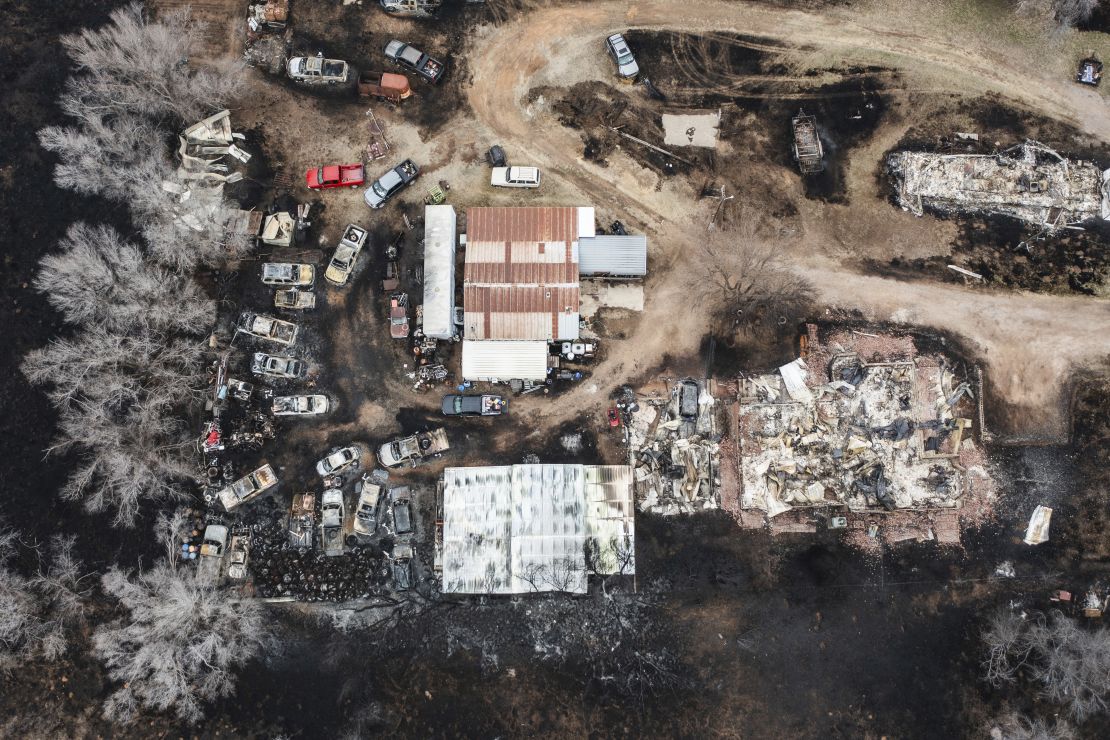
(613,255)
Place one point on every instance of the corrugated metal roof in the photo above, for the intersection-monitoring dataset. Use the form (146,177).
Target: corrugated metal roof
(520,312)
(506,360)
(521,279)
(532,224)
(613,255)
(439,271)
(529,527)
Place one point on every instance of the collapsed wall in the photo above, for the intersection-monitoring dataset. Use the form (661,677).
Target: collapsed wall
(1030,182)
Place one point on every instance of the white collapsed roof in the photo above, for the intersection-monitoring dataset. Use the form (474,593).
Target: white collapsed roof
(493,360)
(439,271)
(523,528)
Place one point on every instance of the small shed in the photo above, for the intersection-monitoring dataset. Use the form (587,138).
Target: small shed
(612,255)
(439,271)
(504,360)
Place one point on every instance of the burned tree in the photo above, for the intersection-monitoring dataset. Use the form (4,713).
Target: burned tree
(118,398)
(748,284)
(98,279)
(1069,663)
(41,611)
(132,88)
(135,65)
(180,643)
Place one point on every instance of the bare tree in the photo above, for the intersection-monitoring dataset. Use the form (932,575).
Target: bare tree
(121,157)
(1063,14)
(39,612)
(99,367)
(124,459)
(741,277)
(1016,726)
(135,65)
(99,279)
(180,644)
(1007,647)
(1071,664)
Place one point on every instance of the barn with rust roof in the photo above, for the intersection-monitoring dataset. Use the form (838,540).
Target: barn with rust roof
(520,288)
(521,272)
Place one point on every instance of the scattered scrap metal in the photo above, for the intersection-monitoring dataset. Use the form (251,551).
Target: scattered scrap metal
(1029,182)
(674,447)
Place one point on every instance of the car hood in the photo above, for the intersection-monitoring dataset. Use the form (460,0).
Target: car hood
(630,69)
(372,199)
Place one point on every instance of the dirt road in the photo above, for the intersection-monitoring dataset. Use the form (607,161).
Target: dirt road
(1030,343)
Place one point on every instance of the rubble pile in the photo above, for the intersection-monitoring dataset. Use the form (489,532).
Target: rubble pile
(674,448)
(1030,182)
(862,425)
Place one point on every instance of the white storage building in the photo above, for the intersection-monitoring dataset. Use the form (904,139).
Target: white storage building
(493,360)
(439,271)
(525,528)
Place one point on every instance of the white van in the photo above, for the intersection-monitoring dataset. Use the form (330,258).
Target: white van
(515,177)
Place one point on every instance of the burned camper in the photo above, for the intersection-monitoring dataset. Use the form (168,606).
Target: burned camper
(1029,182)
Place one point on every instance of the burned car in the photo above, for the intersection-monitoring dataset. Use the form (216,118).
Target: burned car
(366,512)
(331,522)
(294,300)
(338,460)
(402,510)
(247,488)
(302,521)
(288,274)
(343,261)
(318,70)
(267,327)
(300,405)
(275,366)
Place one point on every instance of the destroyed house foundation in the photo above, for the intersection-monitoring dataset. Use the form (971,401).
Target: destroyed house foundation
(860,425)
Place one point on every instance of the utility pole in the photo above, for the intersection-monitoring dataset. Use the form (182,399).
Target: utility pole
(720,204)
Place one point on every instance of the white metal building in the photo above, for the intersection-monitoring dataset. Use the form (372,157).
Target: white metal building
(492,360)
(439,271)
(613,255)
(524,528)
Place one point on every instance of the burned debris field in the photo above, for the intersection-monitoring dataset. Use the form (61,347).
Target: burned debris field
(441,368)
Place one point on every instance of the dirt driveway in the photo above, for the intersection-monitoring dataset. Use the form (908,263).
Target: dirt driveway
(1030,344)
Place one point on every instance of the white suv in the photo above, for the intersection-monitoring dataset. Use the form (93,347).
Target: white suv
(515,177)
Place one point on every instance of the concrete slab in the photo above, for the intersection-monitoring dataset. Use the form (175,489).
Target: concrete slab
(596,295)
(691,129)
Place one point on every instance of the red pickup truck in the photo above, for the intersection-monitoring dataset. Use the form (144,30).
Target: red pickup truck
(335,176)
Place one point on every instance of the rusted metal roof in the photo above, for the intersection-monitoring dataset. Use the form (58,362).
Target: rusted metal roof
(521,278)
(519,312)
(539,224)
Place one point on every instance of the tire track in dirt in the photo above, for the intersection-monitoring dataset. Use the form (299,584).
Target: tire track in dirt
(1030,343)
